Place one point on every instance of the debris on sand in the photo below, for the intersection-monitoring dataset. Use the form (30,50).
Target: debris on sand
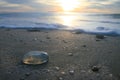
(100,36)
(78,32)
(95,69)
(35,57)
(33,30)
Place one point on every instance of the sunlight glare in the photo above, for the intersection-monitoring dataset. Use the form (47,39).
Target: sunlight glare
(69,5)
(68,20)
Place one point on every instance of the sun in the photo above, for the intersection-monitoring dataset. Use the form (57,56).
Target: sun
(69,5)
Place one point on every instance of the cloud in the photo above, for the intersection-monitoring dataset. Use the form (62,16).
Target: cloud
(33,5)
(53,5)
(18,1)
(11,7)
(111,6)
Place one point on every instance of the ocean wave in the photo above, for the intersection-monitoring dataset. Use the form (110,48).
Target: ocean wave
(111,22)
(35,25)
(100,30)
(51,26)
(97,30)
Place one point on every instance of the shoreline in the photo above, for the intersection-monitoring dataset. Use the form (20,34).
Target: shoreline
(98,31)
(87,51)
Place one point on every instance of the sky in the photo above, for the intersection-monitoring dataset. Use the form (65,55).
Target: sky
(88,6)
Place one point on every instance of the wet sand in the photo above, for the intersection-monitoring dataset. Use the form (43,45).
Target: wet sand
(71,55)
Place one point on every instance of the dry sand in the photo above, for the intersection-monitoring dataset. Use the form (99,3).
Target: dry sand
(71,56)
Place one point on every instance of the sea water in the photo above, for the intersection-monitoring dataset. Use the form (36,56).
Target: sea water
(85,22)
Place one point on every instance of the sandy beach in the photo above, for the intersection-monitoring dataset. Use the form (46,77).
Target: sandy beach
(71,55)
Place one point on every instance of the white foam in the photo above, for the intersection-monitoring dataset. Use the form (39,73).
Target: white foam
(84,23)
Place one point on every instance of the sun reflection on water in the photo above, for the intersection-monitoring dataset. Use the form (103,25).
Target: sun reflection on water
(68,20)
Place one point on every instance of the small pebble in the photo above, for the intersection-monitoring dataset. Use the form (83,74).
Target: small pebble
(71,72)
(63,73)
(9,72)
(57,37)
(83,71)
(33,30)
(48,70)
(110,75)
(35,39)
(27,74)
(57,68)
(89,71)
(64,41)
(24,43)
(100,36)
(70,54)
(83,45)
(47,37)
(97,40)
(21,40)
(46,32)
(64,47)
(41,40)
(77,32)
(60,78)
(95,69)
(76,47)
(22,78)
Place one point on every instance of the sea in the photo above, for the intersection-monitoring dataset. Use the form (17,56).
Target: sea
(94,23)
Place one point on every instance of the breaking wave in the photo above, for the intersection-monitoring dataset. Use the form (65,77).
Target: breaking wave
(96,30)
